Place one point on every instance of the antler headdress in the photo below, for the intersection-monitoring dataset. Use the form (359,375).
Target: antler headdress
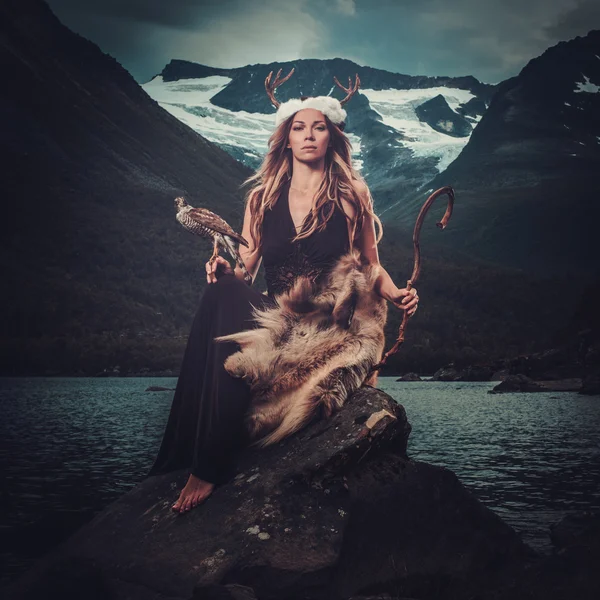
(326,104)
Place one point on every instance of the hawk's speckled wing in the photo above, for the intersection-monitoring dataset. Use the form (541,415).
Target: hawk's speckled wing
(215,222)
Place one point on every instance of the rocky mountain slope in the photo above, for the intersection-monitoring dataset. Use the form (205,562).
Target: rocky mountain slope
(91,251)
(526,182)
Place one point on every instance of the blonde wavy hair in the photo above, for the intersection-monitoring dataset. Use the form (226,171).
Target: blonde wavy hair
(276,170)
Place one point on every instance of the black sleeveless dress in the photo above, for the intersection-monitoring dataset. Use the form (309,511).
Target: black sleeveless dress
(205,429)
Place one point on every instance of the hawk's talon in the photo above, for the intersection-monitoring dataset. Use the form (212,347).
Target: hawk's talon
(215,253)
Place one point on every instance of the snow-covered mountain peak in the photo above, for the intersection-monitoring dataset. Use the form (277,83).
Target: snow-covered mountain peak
(392,139)
(397,109)
(244,135)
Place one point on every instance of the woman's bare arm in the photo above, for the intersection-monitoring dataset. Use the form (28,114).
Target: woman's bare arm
(251,258)
(366,242)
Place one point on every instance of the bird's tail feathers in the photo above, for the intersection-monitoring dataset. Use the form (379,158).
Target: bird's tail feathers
(238,259)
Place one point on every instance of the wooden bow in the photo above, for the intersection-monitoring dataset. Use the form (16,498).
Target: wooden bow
(417,265)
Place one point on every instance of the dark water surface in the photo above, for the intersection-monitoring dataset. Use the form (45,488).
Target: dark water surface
(69,446)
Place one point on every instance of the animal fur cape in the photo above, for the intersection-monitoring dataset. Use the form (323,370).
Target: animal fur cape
(310,351)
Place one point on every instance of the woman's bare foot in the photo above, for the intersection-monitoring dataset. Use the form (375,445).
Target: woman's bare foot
(194,493)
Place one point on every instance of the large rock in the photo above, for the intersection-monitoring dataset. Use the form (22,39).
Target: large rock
(334,511)
(577,530)
(570,572)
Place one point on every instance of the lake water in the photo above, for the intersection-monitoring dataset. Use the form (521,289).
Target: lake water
(70,446)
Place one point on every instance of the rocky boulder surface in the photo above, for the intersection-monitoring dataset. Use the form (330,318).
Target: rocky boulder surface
(569,572)
(336,511)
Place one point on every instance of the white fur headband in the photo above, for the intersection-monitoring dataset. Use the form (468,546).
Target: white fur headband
(326,104)
(329,106)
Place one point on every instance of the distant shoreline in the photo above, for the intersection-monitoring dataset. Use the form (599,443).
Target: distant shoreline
(134,375)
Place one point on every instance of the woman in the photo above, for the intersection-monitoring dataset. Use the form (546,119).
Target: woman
(308,207)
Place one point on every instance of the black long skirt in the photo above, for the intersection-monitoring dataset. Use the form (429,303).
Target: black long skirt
(205,430)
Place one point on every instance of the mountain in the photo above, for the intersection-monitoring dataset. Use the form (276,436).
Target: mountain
(527,181)
(98,274)
(522,155)
(404,129)
(93,260)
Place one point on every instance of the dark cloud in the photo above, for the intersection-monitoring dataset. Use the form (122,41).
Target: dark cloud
(169,13)
(582,17)
(227,33)
(490,39)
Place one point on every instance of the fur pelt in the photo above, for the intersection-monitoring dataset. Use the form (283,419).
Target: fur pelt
(310,351)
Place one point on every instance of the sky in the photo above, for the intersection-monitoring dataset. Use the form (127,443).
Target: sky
(489,39)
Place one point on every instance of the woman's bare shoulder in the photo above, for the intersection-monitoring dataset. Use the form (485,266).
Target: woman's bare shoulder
(362,190)
(360,187)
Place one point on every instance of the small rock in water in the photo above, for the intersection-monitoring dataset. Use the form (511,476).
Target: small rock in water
(409,377)
(448,373)
(517,383)
(158,388)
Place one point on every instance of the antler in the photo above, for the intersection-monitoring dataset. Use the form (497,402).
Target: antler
(350,90)
(271,87)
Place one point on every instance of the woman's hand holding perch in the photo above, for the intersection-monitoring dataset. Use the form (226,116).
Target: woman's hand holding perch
(216,268)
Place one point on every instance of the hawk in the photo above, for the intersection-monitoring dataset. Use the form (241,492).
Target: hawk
(202,221)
